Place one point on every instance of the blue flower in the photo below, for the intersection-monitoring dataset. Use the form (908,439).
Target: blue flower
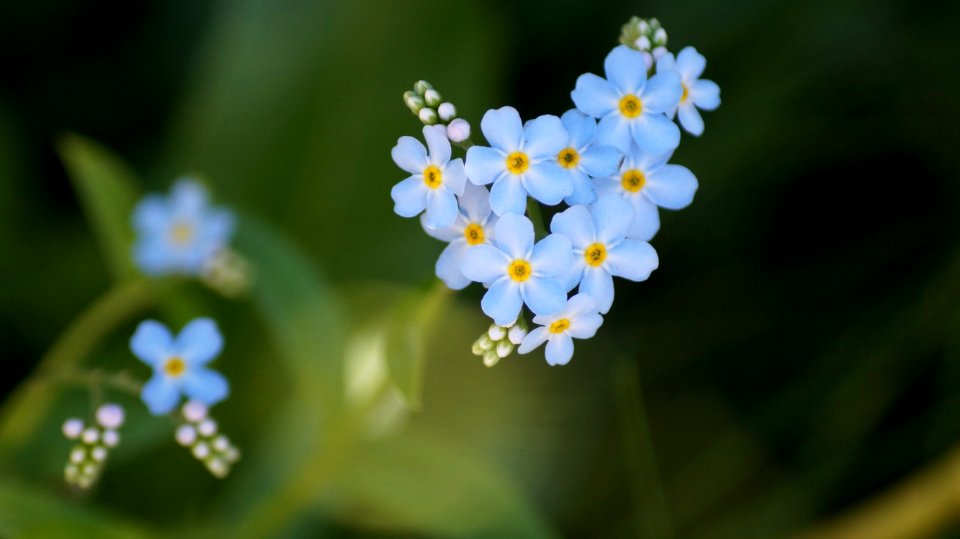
(518,271)
(647,181)
(521,159)
(630,107)
(178,234)
(697,93)
(474,226)
(578,320)
(434,180)
(584,159)
(179,363)
(602,250)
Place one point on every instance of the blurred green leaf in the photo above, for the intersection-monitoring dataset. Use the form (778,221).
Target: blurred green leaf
(412,318)
(108,192)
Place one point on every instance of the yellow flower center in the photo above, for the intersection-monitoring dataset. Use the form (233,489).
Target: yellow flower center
(560,326)
(631,106)
(473,233)
(432,177)
(595,254)
(568,158)
(181,233)
(685,94)
(633,180)
(518,162)
(519,270)
(175,367)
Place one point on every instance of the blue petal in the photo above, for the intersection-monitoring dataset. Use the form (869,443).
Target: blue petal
(503,129)
(662,93)
(614,130)
(160,394)
(199,341)
(442,208)
(632,259)
(552,255)
(572,276)
(410,155)
(216,226)
(484,263)
(655,133)
(559,349)
(448,266)
(613,216)
(508,195)
(580,305)
(601,161)
(485,164)
(151,215)
(475,203)
(544,137)
(646,219)
(548,182)
(188,197)
(447,233)
(409,197)
(671,187)
(454,177)
(151,256)
(705,94)
(502,302)
(576,224)
(598,284)
(586,326)
(515,235)
(152,343)
(532,340)
(543,295)
(626,69)
(690,119)
(667,62)
(438,143)
(595,96)
(580,128)
(583,190)
(205,385)
(691,63)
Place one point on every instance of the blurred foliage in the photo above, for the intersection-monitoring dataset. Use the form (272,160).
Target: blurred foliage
(798,348)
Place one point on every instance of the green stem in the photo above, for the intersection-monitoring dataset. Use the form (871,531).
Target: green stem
(465,145)
(121,381)
(536,217)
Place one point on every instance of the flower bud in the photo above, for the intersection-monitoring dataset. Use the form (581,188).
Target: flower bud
(72,428)
(99,453)
(490,358)
(432,98)
(201,450)
(90,436)
(447,111)
(186,435)
(111,438)
(428,116)
(504,348)
(642,43)
(660,37)
(458,130)
(421,87)
(516,334)
(413,102)
(658,52)
(485,342)
(110,416)
(207,428)
(194,411)
(496,332)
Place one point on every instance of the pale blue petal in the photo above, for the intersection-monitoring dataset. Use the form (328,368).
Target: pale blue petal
(447,233)
(508,195)
(502,302)
(690,119)
(571,277)
(410,155)
(705,94)
(601,161)
(552,255)
(580,305)
(152,343)
(595,96)
(655,133)
(532,340)
(484,263)
(199,341)
(559,349)
(613,216)
(448,265)
(475,203)
(606,186)
(484,164)
(205,385)
(160,394)
(662,93)
(598,284)
(548,182)
(666,62)
(614,130)
(437,143)
(454,177)
(646,219)
(543,295)
(503,129)
(691,63)
(151,215)
(632,259)
(576,224)
(583,190)
(151,256)
(515,235)
(626,69)
(188,197)
(544,137)
(580,128)
(442,209)
(216,226)
(586,326)
(671,187)
(409,197)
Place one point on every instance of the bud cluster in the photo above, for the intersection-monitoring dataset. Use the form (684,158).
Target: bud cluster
(646,36)
(428,105)
(499,341)
(94,441)
(200,434)
(227,272)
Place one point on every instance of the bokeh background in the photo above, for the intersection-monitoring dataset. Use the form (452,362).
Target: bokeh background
(796,354)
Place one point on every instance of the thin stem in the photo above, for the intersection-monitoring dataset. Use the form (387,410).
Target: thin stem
(98,380)
(464,145)
(536,217)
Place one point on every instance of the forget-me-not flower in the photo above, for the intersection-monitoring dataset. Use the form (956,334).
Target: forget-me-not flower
(521,159)
(601,249)
(697,93)
(474,226)
(583,158)
(179,363)
(578,320)
(518,271)
(434,179)
(647,181)
(630,107)
(177,234)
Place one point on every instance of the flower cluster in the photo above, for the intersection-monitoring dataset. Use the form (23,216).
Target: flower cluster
(199,433)
(93,444)
(607,161)
(428,105)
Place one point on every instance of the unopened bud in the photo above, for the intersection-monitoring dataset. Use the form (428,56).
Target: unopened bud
(658,52)
(496,332)
(642,43)
(458,130)
(194,411)
(201,451)
(447,111)
(421,87)
(72,428)
(433,98)
(90,436)
(516,334)
(490,358)
(186,435)
(648,60)
(207,428)
(428,116)
(110,416)
(111,438)
(99,453)
(413,102)
(485,342)
(504,348)
(660,37)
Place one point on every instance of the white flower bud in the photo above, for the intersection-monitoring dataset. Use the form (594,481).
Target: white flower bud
(207,427)
(84,481)
(428,116)
(78,455)
(490,358)
(496,332)
(232,454)
(642,43)
(476,349)
(516,334)
(660,37)
(648,60)
(111,438)
(421,87)
(218,468)
(201,450)
(99,453)
(485,342)
(658,52)
(643,27)
(91,435)
(220,443)
(458,130)
(504,348)
(70,473)
(90,470)
(186,435)
(447,111)
(110,416)
(432,97)
(72,428)
(194,411)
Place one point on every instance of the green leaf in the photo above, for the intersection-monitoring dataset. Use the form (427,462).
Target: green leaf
(108,192)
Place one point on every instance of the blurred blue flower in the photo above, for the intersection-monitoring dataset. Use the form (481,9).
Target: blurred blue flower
(521,159)
(647,181)
(579,319)
(434,182)
(474,226)
(177,234)
(179,363)
(518,271)
(602,250)
(697,93)
(584,159)
(630,107)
